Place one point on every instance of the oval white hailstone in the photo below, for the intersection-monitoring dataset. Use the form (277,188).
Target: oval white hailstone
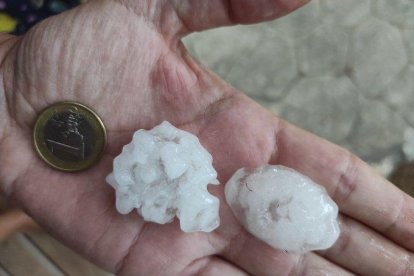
(283,208)
(163,173)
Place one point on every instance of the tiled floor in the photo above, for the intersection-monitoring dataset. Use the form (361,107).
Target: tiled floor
(38,254)
(35,253)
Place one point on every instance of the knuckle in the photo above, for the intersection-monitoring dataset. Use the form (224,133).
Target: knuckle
(346,183)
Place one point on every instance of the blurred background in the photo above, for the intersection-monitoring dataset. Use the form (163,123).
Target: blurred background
(342,69)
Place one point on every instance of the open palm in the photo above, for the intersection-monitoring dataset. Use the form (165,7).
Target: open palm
(126,61)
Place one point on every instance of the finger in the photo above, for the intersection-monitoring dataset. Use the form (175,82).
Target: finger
(212,266)
(257,258)
(198,15)
(358,190)
(365,252)
(312,264)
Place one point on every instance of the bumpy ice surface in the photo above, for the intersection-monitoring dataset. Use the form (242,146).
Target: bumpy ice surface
(360,51)
(283,208)
(163,173)
(408,147)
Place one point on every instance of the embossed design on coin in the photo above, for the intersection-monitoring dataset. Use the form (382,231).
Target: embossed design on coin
(69,136)
(63,137)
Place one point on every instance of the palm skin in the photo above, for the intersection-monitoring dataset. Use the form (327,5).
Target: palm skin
(126,61)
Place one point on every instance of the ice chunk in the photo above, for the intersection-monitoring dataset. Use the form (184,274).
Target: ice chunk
(409,41)
(270,66)
(220,49)
(163,173)
(283,208)
(346,13)
(334,118)
(371,125)
(377,56)
(400,94)
(266,57)
(323,51)
(399,12)
(300,22)
(408,147)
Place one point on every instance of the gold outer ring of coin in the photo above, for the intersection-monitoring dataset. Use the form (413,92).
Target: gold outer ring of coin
(90,116)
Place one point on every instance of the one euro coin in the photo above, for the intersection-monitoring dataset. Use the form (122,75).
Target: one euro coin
(69,136)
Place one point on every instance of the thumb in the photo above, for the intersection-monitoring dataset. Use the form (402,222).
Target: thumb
(199,15)
(6,43)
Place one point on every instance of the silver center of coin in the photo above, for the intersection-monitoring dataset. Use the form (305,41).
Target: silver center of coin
(69,136)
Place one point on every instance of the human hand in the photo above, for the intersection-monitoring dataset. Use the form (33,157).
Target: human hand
(125,60)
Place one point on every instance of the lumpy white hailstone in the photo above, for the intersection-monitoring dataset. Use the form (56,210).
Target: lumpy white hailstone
(377,55)
(283,208)
(163,173)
